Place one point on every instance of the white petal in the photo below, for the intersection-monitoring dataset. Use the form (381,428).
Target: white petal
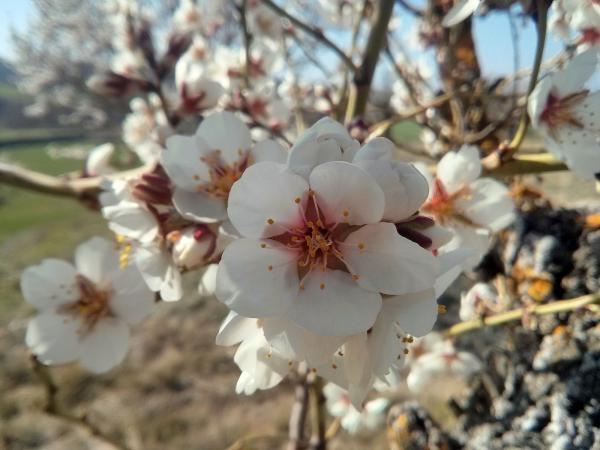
(105,346)
(267,192)
(159,273)
(224,131)
(457,169)
(460,11)
(346,193)
(332,304)
(235,329)
(477,240)
(49,284)
(450,266)
(488,204)
(255,281)
(208,281)
(96,259)
(98,160)
(53,338)
(386,262)
(269,150)
(131,220)
(538,100)
(302,345)
(404,187)
(308,152)
(181,161)
(199,207)
(132,300)
(415,313)
(576,72)
(379,148)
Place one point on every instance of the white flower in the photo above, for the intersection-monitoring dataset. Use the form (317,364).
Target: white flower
(460,11)
(263,21)
(261,366)
(203,167)
(316,251)
(566,113)
(582,14)
(443,364)
(187,18)
(98,160)
(84,310)
(478,301)
(196,88)
(370,418)
(472,207)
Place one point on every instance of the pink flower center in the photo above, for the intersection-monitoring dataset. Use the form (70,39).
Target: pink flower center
(223,175)
(316,241)
(442,205)
(559,111)
(93,304)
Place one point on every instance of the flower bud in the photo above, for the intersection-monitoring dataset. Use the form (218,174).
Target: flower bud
(192,246)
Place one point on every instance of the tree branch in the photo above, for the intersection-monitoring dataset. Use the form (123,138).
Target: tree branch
(298,415)
(312,31)
(53,407)
(516,314)
(80,188)
(364,76)
(318,440)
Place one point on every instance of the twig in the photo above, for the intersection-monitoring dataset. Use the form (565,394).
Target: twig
(298,415)
(527,164)
(364,76)
(542,12)
(517,314)
(81,188)
(247,39)
(314,32)
(53,407)
(318,440)
(381,128)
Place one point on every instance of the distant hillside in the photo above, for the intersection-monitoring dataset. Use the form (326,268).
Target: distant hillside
(7,74)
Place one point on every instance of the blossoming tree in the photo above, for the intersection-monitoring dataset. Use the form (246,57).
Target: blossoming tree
(269,172)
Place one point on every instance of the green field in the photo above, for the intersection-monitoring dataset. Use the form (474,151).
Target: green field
(34,226)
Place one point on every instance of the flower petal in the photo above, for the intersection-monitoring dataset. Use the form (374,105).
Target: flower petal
(159,273)
(457,169)
(96,259)
(460,11)
(235,329)
(49,284)
(181,160)
(347,194)
(132,220)
(415,313)
(329,296)
(263,202)
(132,300)
(269,150)
(257,281)
(386,262)
(105,346)
(226,132)
(308,152)
(379,148)
(53,338)
(488,205)
(199,207)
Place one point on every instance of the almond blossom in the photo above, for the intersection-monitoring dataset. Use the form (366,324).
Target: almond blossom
(471,207)
(442,364)
(98,160)
(355,421)
(203,167)
(479,301)
(196,88)
(86,309)
(314,249)
(565,112)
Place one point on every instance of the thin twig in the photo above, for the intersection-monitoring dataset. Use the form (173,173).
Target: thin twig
(81,188)
(517,314)
(312,31)
(364,76)
(297,423)
(247,39)
(53,407)
(542,12)
(318,440)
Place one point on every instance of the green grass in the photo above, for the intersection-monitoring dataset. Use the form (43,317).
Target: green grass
(11,93)
(35,226)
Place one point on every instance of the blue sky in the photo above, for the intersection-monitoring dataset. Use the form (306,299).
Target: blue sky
(492,32)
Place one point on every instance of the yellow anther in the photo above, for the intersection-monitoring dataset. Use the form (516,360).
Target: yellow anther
(322,286)
(442,309)
(297,200)
(270,221)
(361,246)
(270,268)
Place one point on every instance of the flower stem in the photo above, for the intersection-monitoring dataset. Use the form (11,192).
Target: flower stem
(298,415)
(318,440)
